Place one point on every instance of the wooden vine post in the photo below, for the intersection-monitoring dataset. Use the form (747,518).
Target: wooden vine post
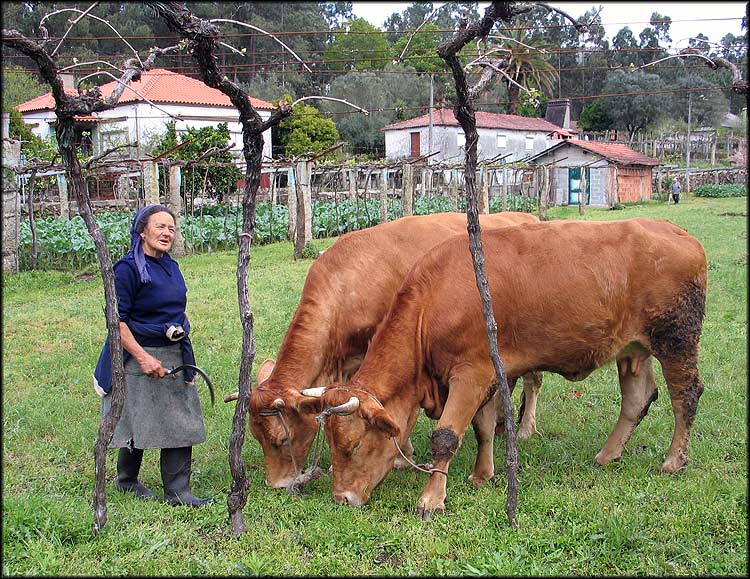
(66,108)
(201,39)
(464,111)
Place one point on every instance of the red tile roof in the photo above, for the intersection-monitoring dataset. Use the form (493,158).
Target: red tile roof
(160,86)
(616,152)
(485,120)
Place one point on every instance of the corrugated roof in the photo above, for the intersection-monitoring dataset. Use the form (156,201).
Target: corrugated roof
(485,120)
(157,85)
(615,152)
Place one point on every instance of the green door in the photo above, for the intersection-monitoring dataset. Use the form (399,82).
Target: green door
(574,186)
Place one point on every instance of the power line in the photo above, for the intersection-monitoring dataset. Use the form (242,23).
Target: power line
(243,69)
(342,31)
(417,54)
(485,104)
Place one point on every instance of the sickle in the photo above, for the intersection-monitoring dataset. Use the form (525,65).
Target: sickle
(199,371)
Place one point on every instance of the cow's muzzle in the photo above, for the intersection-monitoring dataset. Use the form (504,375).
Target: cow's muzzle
(349,498)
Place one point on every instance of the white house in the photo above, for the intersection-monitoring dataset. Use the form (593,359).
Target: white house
(145,108)
(501,136)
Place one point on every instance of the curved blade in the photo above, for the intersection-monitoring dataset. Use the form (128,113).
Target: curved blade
(199,371)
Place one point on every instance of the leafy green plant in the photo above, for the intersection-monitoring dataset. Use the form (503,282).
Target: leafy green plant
(219,173)
(66,243)
(716,191)
(310,251)
(307,131)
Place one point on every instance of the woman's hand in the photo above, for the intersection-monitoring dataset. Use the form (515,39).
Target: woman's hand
(151,366)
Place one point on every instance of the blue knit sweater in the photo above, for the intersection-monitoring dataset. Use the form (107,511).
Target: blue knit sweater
(148,309)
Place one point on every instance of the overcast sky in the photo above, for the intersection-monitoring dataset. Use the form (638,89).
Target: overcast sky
(713,19)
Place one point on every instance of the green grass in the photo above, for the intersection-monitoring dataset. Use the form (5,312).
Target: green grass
(574,518)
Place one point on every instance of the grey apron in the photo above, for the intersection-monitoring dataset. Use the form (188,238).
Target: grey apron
(158,412)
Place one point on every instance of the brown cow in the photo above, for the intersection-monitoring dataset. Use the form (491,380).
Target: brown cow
(346,295)
(568,297)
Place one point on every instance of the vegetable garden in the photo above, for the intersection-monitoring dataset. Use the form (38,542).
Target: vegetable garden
(66,244)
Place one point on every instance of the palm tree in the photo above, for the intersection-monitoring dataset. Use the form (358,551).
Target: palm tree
(524,66)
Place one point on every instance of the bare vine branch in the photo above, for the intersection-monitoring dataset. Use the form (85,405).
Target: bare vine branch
(491,67)
(93,160)
(464,111)
(127,86)
(86,13)
(579,26)
(739,85)
(208,153)
(67,107)
(238,23)
(89,63)
(76,21)
(201,38)
(400,59)
(325,98)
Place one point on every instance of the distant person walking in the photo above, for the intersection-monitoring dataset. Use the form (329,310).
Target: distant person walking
(676,190)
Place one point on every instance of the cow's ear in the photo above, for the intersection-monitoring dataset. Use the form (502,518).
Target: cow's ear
(265,371)
(381,420)
(308,404)
(307,401)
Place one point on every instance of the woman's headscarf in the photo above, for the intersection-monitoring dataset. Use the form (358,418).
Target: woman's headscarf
(139,224)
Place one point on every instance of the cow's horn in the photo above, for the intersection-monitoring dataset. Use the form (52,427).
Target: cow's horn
(346,408)
(313,392)
(278,404)
(231,397)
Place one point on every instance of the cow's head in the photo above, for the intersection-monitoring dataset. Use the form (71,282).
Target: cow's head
(360,434)
(280,438)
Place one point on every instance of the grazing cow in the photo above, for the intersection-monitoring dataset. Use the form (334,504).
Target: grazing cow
(346,295)
(568,297)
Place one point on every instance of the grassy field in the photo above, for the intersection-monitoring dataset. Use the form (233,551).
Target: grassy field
(574,518)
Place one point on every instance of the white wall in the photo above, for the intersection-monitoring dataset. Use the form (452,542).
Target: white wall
(446,140)
(143,122)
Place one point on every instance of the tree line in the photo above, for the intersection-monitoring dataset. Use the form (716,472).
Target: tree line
(393,72)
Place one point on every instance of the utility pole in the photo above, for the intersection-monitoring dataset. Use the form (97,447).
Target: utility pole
(687,149)
(429,129)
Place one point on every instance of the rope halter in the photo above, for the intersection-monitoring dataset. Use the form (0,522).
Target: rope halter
(321,418)
(301,478)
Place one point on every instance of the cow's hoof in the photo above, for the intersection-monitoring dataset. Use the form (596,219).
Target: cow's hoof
(672,465)
(603,459)
(427,514)
(524,433)
(479,480)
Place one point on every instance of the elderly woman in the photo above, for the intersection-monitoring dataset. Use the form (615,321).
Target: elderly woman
(160,411)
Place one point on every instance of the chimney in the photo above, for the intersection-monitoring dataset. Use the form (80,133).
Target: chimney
(6,126)
(69,79)
(558,112)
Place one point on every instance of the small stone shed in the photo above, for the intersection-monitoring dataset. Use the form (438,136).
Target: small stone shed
(610,172)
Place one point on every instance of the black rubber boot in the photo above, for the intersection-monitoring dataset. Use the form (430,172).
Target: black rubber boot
(175,474)
(128,466)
